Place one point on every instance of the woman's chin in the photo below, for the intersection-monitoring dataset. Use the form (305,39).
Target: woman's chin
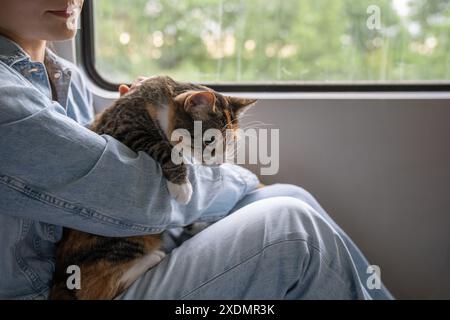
(62,34)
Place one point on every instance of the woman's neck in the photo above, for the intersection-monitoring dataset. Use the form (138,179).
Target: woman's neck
(34,48)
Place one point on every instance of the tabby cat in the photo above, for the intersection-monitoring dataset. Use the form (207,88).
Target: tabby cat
(142,119)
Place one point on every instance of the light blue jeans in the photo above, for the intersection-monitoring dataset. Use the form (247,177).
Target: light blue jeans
(278,243)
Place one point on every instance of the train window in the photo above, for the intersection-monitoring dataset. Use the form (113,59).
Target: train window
(276,43)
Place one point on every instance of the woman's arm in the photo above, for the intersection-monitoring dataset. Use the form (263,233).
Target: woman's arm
(54,170)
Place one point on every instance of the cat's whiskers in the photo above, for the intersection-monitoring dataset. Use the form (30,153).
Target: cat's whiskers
(258,122)
(255,126)
(234,121)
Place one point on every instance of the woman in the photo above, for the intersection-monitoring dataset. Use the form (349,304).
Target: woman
(275,242)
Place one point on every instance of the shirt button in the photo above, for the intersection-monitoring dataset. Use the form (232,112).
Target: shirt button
(57,75)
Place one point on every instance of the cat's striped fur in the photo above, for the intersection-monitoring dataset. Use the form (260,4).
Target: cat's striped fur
(143,120)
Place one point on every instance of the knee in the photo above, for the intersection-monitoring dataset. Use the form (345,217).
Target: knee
(295,192)
(296,210)
(291,218)
(289,212)
(292,205)
(287,222)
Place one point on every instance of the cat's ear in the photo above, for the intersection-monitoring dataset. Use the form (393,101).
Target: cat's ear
(241,105)
(200,101)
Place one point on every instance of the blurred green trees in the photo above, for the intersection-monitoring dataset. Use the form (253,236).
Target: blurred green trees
(272,41)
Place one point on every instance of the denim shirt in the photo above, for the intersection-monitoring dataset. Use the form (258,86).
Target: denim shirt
(55,173)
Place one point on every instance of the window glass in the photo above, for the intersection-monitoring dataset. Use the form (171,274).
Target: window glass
(266,41)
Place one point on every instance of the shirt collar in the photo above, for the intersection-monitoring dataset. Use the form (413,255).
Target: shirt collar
(59,74)
(11,52)
(51,60)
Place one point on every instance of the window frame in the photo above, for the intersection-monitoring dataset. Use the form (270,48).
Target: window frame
(87,55)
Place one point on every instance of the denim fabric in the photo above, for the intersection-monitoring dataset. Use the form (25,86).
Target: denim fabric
(277,243)
(54,172)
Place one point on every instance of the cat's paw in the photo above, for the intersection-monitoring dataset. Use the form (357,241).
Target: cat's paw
(159,255)
(182,193)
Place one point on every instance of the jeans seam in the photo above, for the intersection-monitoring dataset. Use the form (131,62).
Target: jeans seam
(51,200)
(309,244)
(33,279)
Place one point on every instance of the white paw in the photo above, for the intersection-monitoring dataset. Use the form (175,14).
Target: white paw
(182,193)
(161,254)
(152,259)
(157,256)
(140,267)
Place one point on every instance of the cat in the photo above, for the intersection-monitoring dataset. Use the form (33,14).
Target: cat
(143,120)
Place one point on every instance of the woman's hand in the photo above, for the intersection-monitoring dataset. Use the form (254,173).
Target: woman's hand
(124,89)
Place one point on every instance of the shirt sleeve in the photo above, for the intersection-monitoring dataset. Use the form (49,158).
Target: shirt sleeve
(54,170)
